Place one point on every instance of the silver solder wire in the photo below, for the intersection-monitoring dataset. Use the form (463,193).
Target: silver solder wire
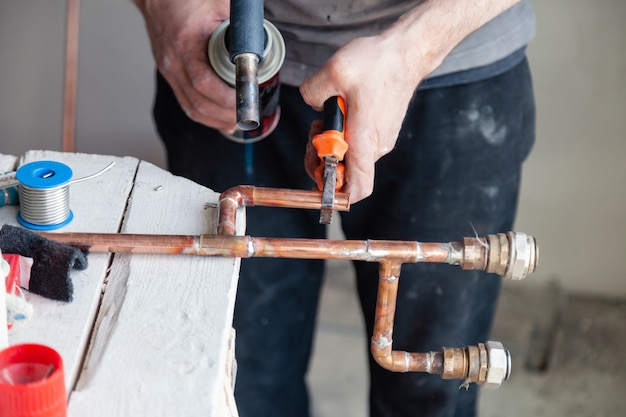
(44,206)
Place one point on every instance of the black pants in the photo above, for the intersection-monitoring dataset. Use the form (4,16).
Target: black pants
(455,172)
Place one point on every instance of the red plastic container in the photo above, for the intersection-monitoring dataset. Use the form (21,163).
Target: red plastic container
(32,382)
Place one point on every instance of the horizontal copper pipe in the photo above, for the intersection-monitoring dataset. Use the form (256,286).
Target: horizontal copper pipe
(386,252)
(248,247)
(278,197)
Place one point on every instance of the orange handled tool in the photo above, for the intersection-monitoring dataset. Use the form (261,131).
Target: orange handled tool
(331,148)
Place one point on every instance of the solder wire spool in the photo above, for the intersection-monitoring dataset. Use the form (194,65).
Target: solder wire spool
(44,194)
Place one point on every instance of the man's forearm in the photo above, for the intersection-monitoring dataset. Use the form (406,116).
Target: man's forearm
(429,32)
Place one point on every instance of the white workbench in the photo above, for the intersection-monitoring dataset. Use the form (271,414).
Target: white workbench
(146,335)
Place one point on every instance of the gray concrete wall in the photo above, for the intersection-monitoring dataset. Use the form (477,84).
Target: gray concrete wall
(115,82)
(573,198)
(574,190)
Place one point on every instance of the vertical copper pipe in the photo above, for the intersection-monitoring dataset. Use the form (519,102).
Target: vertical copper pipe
(383,319)
(71,76)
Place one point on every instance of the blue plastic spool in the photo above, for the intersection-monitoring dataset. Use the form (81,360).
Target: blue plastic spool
(44,175)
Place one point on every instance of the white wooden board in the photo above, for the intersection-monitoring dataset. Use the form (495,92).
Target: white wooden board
(7,162)
(145,334)
(98,205)
(160,342)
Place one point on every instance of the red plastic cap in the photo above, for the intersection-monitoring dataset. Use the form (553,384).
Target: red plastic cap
(32,382)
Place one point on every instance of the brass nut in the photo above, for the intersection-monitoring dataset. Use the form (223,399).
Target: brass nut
(522,256)
(448,363)
(454,363)
(473,359)
(474,253)
(498,254)
(498,364)
(484,364)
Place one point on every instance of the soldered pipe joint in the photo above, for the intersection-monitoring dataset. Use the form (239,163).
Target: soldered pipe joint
(247,91)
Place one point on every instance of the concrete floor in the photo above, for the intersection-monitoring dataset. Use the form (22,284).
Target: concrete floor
(578,340)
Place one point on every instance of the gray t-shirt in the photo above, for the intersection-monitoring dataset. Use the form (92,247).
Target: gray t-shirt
(314,29)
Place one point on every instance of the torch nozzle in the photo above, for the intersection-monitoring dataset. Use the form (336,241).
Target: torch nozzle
(247,90)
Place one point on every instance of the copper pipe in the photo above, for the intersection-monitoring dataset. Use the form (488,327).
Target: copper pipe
(248,247)
(381,344)
(471,363)
(451,363)
(71,76)
(512,255)
(249,196)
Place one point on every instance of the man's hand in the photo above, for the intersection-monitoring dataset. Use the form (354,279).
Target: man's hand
(377,76)
(179,32)
(377,87)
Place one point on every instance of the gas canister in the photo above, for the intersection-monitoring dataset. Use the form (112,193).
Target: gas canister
(268,77)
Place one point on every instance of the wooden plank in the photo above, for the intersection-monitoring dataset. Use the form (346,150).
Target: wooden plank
(98,205)
(7,162)
(161,337)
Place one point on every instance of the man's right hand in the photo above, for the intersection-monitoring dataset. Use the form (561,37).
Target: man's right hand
(179,32)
